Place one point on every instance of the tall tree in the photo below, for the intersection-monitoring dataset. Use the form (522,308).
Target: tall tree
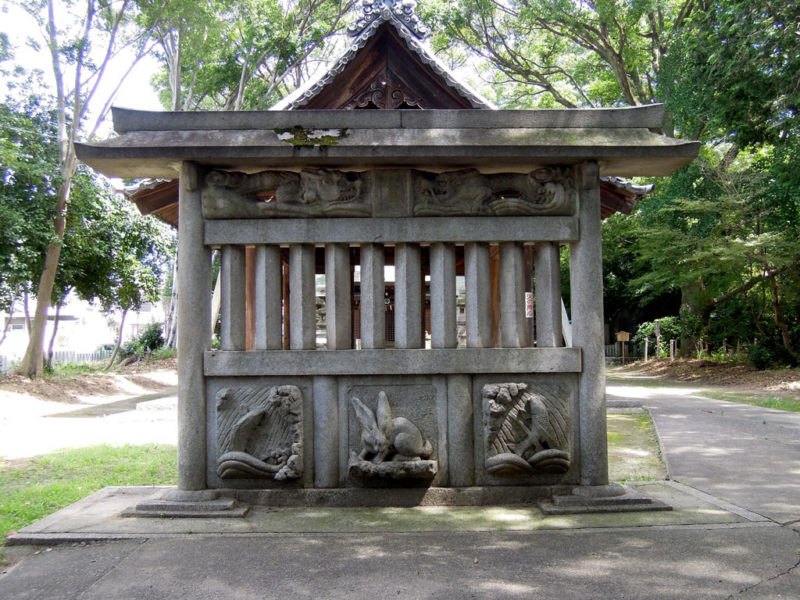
(81,50)
(566,52)
(109,254)
(225,55)
(732,78)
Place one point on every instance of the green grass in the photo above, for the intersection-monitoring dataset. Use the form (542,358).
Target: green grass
(45,484)
(66,370)
(633,452)
(780,403)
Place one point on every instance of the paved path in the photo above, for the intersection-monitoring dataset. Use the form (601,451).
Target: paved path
(746,455)
(742,455)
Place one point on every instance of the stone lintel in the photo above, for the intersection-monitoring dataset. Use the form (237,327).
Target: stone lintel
(391,230)
(302,363)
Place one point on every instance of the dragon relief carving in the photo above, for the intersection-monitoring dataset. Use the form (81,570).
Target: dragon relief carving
(544,191)
(525,432)
(259,433)
(392,448)
(310,193)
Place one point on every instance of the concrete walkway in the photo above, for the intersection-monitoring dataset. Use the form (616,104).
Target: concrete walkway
(734,533)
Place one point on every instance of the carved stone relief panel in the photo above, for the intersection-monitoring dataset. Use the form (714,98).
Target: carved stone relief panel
(260,433)
(544,191)
(310,193)
(392,438)
(526,431)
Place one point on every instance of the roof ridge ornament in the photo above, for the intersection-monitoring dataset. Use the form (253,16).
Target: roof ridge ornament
(402,12)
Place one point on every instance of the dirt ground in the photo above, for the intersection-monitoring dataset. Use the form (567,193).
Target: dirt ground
(70,388)
(734,375)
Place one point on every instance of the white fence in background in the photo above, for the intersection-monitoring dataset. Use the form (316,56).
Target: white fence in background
(61,357)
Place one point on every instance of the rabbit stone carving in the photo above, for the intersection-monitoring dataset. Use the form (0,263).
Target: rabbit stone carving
(385,438)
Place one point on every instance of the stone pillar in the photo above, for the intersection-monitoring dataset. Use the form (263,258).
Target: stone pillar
(460,431)
(512,295)
(444,333)
(586,281)
(302,298)
(548,296)
(194,331)
(408,296)
(373,288)
(479,295)
(326,432)
(233,332)
(337,297)
(267,335)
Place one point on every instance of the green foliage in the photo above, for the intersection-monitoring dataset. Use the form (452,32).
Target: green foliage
(670,328)
(150,339)
(48,483)
(29,178)
(243,55)
(109,253)
(564,53)
(733,70)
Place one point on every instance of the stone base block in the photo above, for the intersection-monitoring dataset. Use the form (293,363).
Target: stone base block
(601,499)
(179,504)
(400,497)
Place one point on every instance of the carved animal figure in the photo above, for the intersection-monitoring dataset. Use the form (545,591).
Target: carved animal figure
(384,438)
(374,439)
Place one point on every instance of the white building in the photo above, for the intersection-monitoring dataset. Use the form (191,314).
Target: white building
(82,330)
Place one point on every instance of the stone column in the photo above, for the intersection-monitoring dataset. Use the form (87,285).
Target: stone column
(513,325)
(373,315)
(444,333)
(479,295)
(302,314)
(548,296)
(408,296)
(268,299)
(233,332)
(194,331)
(586,280)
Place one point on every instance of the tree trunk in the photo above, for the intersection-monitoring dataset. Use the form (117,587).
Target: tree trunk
(49,362)
(119,340)
(171,325)
(694,314)
(778,316)
(26,307)
(32,364)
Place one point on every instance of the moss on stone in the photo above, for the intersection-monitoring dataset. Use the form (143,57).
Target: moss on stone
(302,136)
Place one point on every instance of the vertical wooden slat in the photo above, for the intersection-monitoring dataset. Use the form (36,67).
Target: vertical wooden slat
(443,296)
(548,295)
(479,295)
(302,298)
(494,283)
(234,324)
(512,295)
(267,285)
(408,296)
(338,301)
(373,288)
